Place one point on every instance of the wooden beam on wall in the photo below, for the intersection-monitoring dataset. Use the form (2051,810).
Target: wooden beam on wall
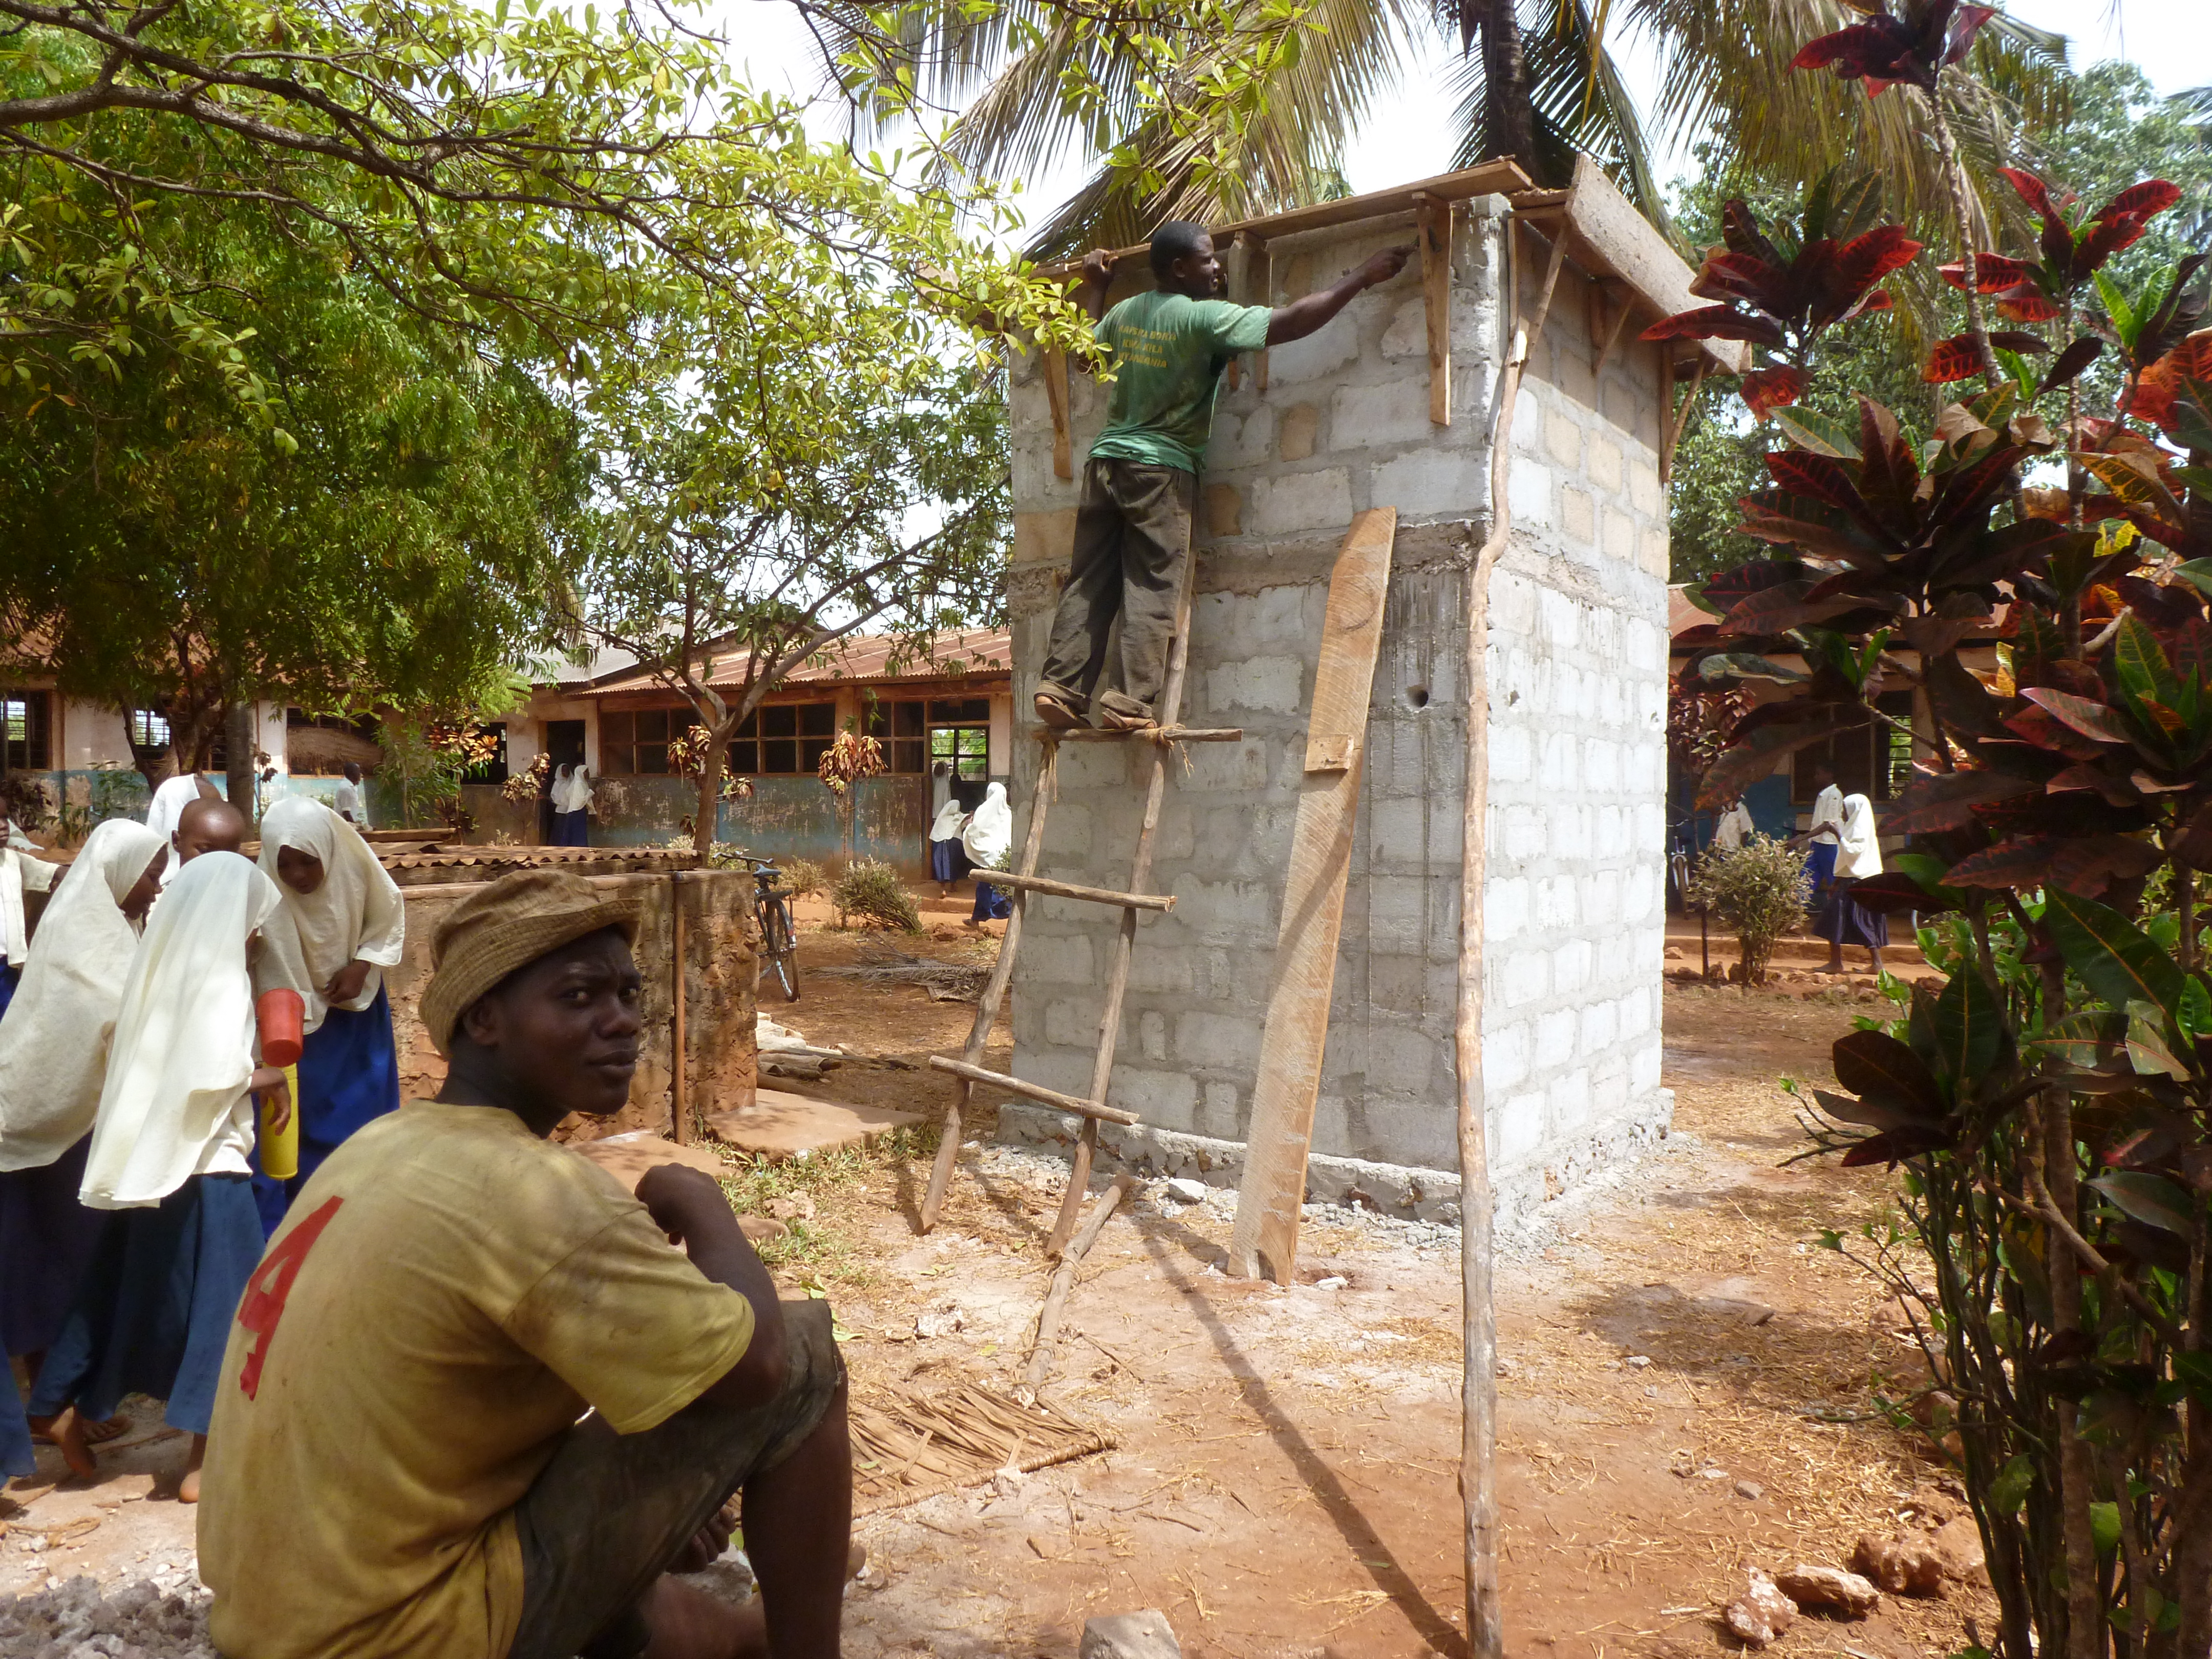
(1435,218)
(1055,392)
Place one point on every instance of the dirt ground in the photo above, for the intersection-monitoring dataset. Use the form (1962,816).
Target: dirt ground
(1684,1383)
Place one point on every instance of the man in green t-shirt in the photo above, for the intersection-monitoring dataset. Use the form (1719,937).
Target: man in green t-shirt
(1132,525)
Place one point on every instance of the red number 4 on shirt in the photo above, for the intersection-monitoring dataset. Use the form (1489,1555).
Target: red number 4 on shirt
(263,1302)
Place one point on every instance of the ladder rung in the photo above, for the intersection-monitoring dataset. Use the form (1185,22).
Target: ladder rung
(1151,733)
(1033,1091)
(1069,889)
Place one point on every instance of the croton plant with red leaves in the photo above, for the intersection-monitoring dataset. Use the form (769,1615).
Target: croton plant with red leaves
(2038,574)
(1781,289)
(1911,45)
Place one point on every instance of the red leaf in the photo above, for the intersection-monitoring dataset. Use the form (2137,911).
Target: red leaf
(1715,323)
(1876,299)
(2023,861)
(2013,340)
(2044,733)
(1865,260)
(1770,389)
(1727,276)
(1956,359)
(2028,304)
(2151,197)
(2105,239)
(1964,27)
(1876,1063)
(1894,1147)
(1803,473)
(1945,800)
(2091,719)
(2163,382)
(1844,44)
(2032,191)
(2071,362)
(1993,273)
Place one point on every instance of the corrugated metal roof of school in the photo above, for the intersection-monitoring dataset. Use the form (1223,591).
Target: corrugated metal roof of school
(423,865)
(950,655)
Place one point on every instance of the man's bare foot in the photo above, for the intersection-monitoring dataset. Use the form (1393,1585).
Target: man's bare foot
(188,1489)
(67,1431)
(689,1624)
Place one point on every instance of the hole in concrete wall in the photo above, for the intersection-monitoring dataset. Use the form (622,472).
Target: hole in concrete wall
(1417,697)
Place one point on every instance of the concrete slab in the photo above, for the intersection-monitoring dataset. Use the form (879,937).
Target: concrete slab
(779,1125)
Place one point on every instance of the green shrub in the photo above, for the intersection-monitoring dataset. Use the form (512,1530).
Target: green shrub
(872,891)
(804,877)
(1759,889)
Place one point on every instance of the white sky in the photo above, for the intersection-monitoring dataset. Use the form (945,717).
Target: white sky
(1409,137)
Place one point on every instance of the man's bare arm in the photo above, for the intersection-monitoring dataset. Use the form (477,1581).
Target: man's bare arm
(687,1205)
(1097,277)
(1301,317)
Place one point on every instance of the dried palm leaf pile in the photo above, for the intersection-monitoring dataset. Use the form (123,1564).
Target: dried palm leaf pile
(907,1449)
(945,981)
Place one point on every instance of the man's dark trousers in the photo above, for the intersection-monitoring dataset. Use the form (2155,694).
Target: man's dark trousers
(1132,536)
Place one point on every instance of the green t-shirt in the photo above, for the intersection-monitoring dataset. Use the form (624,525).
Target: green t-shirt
(1169,352)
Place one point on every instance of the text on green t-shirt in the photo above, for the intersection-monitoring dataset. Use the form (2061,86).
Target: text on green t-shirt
(1168,350)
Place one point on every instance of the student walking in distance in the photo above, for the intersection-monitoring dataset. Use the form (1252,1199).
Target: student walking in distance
(1132,522)
(988,839)
(348,802)
(169,1156)
(54,1043)
(479,1399)
(342,924)
(21,872)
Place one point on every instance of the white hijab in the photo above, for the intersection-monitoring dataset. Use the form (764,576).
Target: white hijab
(356,914)
(948,821)
(21,870)
(572,789)
(175,1103)
(170,799)
(1858,854)
(990,833)
(54,1040)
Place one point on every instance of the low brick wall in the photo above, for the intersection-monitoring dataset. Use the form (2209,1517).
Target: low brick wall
(716,907)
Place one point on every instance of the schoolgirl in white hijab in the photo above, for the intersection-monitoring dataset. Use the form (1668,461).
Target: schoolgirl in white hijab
(989,838)
(342,922)
(948,860)
(54,1042)
(1842,920)
(169,1154)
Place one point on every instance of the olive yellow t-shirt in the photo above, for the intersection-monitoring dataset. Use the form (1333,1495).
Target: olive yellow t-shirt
(1168,350)
(447,1297)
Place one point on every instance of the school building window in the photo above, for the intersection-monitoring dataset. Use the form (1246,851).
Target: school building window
(1876,762)
(26,719)
(784,738)
(148,730)
(902,728)
(635,740)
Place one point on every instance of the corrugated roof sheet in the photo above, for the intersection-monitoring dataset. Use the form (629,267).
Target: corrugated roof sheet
(859,657)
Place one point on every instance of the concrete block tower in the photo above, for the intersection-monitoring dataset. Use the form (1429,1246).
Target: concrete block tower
(1334,424)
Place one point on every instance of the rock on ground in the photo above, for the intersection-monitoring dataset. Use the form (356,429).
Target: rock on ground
(1144,1635)
(133,1621)
(1761,1613)
(1844,1592)
(1905,1566)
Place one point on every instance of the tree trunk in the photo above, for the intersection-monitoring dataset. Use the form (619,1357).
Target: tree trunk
(239,729)
(710,784)
(1509,117)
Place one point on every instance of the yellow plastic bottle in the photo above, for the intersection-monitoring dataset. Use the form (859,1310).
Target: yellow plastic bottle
(280,1148)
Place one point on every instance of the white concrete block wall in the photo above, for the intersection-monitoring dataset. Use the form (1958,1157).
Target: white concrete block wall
(1577,775)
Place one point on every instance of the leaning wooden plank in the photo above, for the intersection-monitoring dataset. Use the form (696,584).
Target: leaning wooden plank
(1436,226)
(1014,1085)
(995,991)
(1069,889)
(1056,394)
(1063,1280)
(1265,1239)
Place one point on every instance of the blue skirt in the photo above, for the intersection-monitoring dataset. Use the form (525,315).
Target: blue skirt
(349,1075)
(571,829)
(11,976)
(46,1241)
(16,1455)
(1820,868)
(948,860)
(155,1309)
(990,903)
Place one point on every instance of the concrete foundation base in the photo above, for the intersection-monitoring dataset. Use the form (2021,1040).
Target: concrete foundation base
(1406,1191)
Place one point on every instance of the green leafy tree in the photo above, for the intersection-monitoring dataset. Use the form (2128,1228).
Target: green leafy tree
(778,482)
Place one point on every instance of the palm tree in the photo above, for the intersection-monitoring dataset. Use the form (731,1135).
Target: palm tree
(1543,86)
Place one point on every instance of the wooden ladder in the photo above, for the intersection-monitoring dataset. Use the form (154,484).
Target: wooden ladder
(1023,881)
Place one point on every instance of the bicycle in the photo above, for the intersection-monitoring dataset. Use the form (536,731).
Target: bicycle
(778,941)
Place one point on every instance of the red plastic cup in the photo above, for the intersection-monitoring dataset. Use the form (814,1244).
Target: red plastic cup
(281,1014)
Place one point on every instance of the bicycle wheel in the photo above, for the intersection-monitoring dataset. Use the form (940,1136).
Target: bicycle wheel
(781,946)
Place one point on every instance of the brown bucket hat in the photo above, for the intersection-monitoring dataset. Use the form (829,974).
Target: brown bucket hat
(509,925)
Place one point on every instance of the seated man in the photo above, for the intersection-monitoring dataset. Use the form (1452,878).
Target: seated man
(396,1465)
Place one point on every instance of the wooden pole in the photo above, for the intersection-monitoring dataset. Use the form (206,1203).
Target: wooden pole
(1478,1475)
(1063,1279)
(678,1059)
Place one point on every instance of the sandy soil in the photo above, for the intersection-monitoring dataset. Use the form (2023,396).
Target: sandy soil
(1684,1386)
